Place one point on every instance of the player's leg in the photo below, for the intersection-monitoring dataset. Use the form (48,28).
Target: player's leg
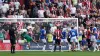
(93,43)
(53,44)
(83,47)
(59,43)
(97,47)
(76,44)
(44,42)
(35,42)
(62,42)
(94,46)
(31,39)
(69,47)
(56,42)
(13,42)
(13,48)
(89,44)
(28,46)
(11,45)
(80,43)
(72,44)
(66,41)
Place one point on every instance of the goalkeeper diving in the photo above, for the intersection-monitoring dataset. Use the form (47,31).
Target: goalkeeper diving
(24,34)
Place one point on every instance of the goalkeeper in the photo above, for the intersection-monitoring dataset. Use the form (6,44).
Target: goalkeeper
(28,38)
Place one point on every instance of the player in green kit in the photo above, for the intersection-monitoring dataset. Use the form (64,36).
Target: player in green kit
(28,38)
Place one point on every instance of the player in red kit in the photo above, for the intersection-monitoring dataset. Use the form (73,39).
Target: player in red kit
(58,35)
(88,34)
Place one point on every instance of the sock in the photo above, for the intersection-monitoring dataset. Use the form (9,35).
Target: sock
(11,49)
(97,47)
(59,48)
(94,46)
(79,48)
(55,48)
(44,47)
(52,47)
(69,47)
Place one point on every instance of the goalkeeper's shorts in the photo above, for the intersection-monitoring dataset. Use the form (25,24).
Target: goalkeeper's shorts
(29,39)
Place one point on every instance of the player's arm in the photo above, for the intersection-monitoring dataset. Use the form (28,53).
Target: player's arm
(45,34)
(61,34)
(54,32)
(69,32)
(39,36)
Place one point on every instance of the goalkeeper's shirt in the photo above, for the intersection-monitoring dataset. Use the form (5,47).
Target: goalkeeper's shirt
(27,37)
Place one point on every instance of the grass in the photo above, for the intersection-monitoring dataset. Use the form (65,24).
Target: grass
(37,53)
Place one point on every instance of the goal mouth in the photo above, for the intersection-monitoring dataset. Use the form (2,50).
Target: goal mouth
(27,23)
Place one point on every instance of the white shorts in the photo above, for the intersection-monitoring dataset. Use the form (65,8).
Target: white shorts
(93,39)
(53,41)
(74,39)
(64,40)
(44,40)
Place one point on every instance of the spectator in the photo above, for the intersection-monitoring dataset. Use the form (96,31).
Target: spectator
(41,12)
(34,11)
(98,4)
(17,4)
(5,7)
(73,11)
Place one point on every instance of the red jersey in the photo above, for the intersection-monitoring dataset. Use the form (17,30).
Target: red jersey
(88,34)
(58,34)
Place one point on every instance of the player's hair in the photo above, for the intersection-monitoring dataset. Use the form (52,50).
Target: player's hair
(43,27)
(58,27)
(87,28)
(72,27)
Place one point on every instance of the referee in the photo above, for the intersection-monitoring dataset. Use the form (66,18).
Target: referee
(12,38)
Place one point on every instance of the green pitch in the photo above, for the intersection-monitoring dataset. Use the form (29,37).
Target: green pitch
(31,53)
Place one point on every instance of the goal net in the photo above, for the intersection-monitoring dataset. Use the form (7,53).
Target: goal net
(35,25)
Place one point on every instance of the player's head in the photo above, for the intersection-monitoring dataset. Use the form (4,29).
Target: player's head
(72,27)
(43,27)
(58,27)
(87,28)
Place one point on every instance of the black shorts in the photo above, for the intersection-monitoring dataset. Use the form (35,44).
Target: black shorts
(69,40)
(13,41)
(57,41)
(88,40)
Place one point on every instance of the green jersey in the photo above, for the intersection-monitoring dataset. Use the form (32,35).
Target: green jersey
(27,37)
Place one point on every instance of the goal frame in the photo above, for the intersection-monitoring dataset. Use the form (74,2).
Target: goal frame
(9,20)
